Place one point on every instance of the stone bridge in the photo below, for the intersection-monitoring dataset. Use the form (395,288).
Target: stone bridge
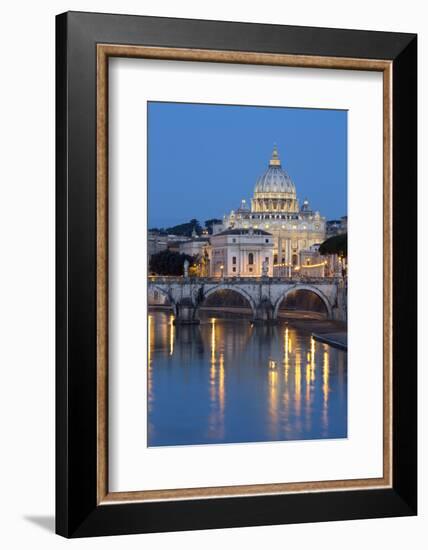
(264,294)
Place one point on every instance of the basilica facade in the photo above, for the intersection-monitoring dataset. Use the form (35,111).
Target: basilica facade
(275,209)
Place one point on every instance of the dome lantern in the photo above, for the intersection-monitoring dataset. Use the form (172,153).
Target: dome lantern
(275,161)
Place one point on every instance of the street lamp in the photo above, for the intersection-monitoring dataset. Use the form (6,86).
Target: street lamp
(221,270)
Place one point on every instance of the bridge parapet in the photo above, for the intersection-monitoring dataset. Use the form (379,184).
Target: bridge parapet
(169,280)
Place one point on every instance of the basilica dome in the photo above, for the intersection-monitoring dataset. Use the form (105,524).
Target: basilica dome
(275,179)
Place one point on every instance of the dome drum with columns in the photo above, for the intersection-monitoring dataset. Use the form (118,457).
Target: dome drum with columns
(275,209)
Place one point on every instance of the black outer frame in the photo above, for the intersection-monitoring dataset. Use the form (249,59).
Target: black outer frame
(77,513)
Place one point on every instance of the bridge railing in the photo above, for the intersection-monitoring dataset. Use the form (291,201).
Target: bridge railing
(163,279)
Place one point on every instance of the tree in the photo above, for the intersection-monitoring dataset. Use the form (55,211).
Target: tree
(335,245)
(169,263)
(185,229)
(160,231)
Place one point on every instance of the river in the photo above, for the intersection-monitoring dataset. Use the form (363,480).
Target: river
(225,381)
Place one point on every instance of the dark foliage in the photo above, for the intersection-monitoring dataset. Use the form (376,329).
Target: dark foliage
(169,263)
(335,245)
(185,229)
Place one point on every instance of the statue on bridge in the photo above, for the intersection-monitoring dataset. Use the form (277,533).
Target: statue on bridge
(186,267)
(265,268)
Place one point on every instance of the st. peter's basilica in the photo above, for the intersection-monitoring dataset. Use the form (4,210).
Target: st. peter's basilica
(295,230)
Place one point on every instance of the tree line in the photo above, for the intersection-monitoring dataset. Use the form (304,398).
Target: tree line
(335,245)
(187,229)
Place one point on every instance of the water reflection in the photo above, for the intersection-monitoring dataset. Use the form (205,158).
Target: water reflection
(226,381)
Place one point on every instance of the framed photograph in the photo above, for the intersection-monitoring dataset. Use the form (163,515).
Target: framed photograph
(236,274)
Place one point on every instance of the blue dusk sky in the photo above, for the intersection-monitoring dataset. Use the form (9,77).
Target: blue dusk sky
(204,159)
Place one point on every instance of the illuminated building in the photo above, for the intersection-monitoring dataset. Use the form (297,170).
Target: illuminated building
(156,242)
(241,252)
(337,227)
(275,209)
(194,246)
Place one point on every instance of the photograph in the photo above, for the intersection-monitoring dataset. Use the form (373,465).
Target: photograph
(213,270)
(247,274)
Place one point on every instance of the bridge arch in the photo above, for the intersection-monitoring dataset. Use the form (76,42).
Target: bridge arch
(308,288)
(232,288)
(165,293)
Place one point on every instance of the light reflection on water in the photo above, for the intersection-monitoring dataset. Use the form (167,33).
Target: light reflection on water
(225,381)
